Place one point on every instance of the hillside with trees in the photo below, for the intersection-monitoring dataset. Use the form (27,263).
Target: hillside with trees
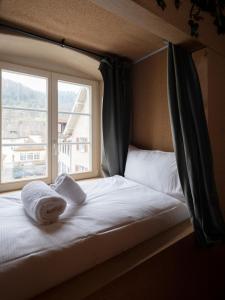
(15,94)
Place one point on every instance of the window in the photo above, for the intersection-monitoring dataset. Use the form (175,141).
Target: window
(82,145)
(36,155)
(23,156)
(29,156)
(24,124)
(74,111)
(47,126)
(80,168)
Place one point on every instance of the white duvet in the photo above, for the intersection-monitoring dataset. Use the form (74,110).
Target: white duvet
(117,215)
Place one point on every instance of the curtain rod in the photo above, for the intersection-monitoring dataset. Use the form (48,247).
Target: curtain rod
(62,44)
(161,49)
(150,54)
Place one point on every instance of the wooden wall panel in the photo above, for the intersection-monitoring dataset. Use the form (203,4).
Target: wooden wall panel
(184,271)
(201,62)
(151,125)
(216,117)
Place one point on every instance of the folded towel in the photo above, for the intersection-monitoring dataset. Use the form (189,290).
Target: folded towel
(67,187)
(42,203)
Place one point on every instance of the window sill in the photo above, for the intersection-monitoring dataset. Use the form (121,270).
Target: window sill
(19,190)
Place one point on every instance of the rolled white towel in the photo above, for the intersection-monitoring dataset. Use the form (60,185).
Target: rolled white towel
(67,187)
(42,203)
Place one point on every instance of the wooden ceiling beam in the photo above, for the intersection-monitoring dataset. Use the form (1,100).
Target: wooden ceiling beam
(170,24)
(136,14)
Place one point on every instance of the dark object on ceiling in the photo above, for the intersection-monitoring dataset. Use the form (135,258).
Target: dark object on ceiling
(214,7)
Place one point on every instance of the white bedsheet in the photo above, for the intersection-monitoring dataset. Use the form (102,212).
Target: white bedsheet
(118,215)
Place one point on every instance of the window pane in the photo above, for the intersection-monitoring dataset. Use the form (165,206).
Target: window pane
(73,128)
(74,158)
(73,97)
(23,162)
(23,127)
(23,90)
(23,95)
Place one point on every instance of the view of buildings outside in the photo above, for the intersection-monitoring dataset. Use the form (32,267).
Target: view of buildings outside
(24,153)
(74,127)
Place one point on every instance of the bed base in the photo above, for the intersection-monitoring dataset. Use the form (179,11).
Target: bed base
(104,279)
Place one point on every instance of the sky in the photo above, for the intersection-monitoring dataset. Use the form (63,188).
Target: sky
(67,86)
(37,83)
(33,82)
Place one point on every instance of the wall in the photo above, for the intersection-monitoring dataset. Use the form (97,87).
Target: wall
(38,54)
(151,126)
(183,271)
(211,70)
(216,116)
(201,63)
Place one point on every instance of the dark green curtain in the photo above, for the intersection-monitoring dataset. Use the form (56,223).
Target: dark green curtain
(192,146)
(115,113)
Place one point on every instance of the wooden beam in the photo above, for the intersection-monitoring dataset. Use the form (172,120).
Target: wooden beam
(170,24)
(134,13)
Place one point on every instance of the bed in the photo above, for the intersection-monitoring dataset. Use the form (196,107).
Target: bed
(119,213)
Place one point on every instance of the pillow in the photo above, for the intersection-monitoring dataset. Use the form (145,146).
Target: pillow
(155,169)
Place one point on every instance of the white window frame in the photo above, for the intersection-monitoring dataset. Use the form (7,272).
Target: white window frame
(52,142)
(95,123)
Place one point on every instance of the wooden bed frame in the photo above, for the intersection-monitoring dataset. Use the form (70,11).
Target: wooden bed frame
(98,278)
(169,266)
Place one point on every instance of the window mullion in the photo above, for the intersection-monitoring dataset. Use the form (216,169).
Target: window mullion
(49,166)
(0,125)
(54,124)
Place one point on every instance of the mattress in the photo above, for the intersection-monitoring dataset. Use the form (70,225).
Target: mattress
(118,214)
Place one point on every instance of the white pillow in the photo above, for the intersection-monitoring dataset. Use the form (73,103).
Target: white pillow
(155,169)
